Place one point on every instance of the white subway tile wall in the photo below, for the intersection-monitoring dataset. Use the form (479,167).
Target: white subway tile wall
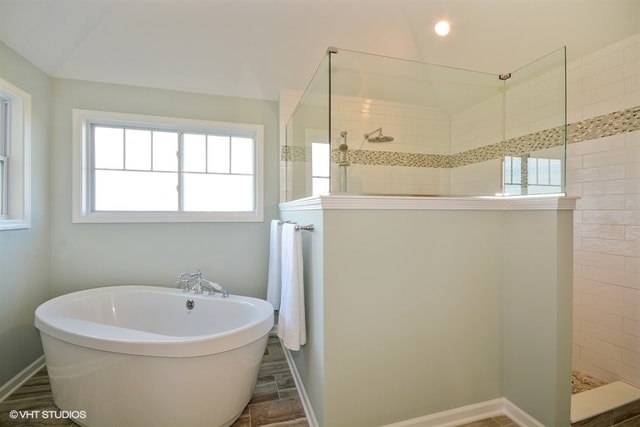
(605,173)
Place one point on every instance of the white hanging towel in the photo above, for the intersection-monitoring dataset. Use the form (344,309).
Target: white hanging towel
(274,280)
(291,321)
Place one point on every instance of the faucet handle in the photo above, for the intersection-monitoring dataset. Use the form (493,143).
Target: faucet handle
(183,282)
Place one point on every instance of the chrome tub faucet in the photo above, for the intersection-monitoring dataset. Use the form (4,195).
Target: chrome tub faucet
(200,284)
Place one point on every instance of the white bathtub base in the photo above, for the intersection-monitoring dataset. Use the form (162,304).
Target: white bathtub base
(138,390)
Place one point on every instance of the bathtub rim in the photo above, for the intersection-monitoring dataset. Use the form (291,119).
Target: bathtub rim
(51,321)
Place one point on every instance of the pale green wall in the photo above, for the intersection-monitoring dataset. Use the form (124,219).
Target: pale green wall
(538,274)
(24,254)
(310,360)
(89,255)
(56,256)
(426,311)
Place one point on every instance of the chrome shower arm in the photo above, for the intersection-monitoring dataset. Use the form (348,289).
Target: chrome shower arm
(367,135)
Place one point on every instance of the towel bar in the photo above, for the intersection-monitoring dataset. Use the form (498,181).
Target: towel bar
(308,227)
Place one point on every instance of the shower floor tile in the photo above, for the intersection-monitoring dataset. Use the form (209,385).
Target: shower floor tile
(582,382)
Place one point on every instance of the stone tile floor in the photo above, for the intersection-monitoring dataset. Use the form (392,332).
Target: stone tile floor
(275,402)
(500,421)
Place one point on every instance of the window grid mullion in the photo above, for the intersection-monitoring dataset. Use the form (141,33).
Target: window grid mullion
(180,186)
(206,153)
(151,151)
(230,138)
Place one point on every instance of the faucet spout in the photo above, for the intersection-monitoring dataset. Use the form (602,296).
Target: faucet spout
(200,284)
(213,287)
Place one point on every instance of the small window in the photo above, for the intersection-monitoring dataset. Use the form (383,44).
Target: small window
(141,168)
(15,150)
(532,175)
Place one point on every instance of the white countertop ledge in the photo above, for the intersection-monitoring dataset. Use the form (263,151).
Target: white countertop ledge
(483,203)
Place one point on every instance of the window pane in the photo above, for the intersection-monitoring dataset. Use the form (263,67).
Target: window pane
(195,153)
(320,185)
(241,155)
(137,149)
(135,191)
(108,148)
(514,190)
(4,128)
(556,172)
(226,193)
(532,170)
(218,153)
(3,184)
(165,151)
(320,159)
(515,170)
(543,171)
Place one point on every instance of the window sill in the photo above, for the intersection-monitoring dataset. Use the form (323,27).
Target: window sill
(14,224)
(160,217)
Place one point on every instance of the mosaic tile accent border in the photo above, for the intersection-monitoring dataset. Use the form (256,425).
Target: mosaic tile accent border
(598,127)
(606,125)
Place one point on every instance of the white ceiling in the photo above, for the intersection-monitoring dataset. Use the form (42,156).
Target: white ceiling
(254,48)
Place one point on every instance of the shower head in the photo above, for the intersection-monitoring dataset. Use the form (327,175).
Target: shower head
(378,138)
(343,147)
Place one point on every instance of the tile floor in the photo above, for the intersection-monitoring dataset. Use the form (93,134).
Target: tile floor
(276,403)
(500,421)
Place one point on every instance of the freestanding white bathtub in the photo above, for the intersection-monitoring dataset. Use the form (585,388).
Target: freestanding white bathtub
(138,356)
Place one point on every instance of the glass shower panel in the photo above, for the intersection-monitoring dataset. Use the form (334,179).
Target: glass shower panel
(307,127)
(535,127)
(477,132)
(412,128)
(370,124)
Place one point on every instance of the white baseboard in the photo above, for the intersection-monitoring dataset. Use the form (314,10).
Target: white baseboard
(519,416)
(451,418)
(457,416)
(14,383)
(304,397)
(471,413)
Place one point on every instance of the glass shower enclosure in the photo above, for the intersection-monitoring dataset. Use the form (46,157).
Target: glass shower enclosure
(375,125)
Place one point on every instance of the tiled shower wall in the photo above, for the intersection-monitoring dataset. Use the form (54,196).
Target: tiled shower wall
(604,171)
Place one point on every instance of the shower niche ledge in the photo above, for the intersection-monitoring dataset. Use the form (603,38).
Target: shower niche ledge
(342,201)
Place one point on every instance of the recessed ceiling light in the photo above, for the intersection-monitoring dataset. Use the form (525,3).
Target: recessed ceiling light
(442,28)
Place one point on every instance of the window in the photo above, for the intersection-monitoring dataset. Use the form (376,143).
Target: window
(131,168)
(532,175)
(320,168)
(15,156)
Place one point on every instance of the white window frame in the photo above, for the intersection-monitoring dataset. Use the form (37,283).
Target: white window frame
(18,162)
(82,120)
